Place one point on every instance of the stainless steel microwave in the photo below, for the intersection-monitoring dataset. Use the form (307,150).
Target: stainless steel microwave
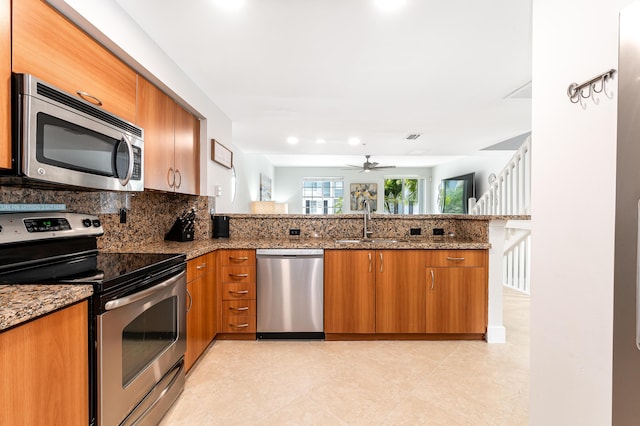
(59,139)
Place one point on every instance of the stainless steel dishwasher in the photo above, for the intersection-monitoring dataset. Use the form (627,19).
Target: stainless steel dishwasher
(290,293)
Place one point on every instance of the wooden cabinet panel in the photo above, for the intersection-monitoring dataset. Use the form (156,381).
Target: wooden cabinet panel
(237,277)
(5,84)
(456,258)
(457,300)
(50,47)
(349,291)
(155,114)
(400,291)
(237,258)
(186,139)
(201,306)
(45,372)
(238,291)
(171,139)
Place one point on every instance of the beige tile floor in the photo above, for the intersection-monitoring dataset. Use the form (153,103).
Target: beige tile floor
(363,383)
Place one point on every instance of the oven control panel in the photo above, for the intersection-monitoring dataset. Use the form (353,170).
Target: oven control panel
(24,227)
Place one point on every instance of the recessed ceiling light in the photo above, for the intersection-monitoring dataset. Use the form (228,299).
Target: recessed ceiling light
(390,5)
(354,141)
(292,140)
(320,141)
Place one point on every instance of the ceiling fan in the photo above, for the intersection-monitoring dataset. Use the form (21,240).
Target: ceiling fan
(368,166)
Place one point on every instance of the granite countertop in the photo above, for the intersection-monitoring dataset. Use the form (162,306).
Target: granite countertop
(193,249)
(20,303)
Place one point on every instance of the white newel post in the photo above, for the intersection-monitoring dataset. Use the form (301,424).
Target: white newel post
(496,333)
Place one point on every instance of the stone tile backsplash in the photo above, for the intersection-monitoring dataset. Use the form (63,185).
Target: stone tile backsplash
(151,214)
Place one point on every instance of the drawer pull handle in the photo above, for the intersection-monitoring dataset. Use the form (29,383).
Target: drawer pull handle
(245,325)
(239,275)
(243,308)
(89,98)
(202,266)
(238,259)
(455,258)
(239,292)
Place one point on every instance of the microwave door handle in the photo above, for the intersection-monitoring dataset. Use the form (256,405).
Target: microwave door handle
(127,178)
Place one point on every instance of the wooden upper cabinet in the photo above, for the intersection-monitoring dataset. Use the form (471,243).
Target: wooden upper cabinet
(5,84)
(171,137)
(187,135)
(400,291)
(155,114)
(349,291)
(53,49)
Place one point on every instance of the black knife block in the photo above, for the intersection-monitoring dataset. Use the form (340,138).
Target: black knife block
(180,231)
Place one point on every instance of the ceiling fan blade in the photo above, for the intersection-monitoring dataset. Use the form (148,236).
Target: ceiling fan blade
(383,167)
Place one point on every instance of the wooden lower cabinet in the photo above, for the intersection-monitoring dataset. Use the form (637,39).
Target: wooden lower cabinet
(400,292)
(349,291)
(201,306)
(405,292)
(237,277)
(457,298)
(45,371)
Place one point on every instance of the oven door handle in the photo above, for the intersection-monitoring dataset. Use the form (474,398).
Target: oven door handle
(127,300)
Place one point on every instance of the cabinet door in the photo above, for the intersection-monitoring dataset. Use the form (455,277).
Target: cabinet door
(400,291)
(45,371)
(50,47)
(349,291)
(156,115)
(196,315)
(186,139)
(5,84)
(456,300)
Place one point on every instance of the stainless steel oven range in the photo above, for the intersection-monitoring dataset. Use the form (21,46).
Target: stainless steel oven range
(137,325)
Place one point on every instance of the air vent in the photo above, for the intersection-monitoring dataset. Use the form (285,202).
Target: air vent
(413,136)
(67,100)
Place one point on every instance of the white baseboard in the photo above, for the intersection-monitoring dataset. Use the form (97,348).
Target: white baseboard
(496,334)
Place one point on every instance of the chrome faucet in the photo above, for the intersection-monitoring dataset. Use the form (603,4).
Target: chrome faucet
(367,217)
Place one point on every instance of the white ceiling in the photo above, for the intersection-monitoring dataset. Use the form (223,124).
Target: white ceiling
(336,69)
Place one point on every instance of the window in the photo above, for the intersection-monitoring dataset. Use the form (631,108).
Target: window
(402,195)
(322,195)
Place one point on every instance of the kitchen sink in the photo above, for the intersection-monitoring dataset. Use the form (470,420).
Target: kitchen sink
(370,240)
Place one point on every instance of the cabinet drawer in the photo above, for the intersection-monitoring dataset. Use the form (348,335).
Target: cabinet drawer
(238,274)
(456,258)
(238,258)
(236,308)
(200,266)
(238,291)
(238,324)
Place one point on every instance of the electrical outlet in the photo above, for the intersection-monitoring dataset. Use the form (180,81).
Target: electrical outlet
(294,231)
(123,215)
(438,231)
(415,231)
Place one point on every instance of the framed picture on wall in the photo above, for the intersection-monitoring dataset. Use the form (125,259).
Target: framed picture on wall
(265,187)
(221,154)
(364,191)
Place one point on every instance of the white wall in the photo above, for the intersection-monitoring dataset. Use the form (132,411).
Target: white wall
(288,182)
(248,169)
(572,237)
(482,164)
